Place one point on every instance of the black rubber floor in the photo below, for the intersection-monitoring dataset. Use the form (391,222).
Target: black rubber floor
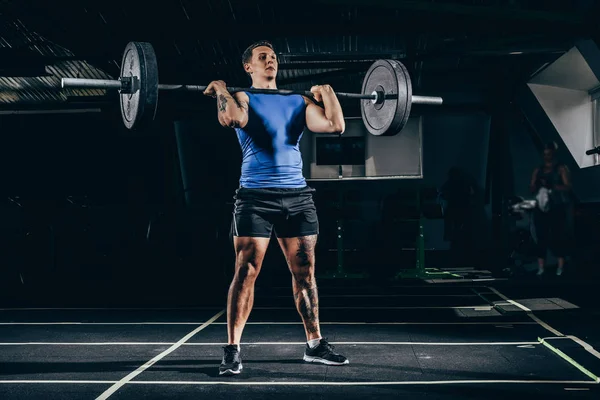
(437,341)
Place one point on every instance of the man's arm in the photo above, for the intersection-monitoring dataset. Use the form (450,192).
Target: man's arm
(232,111)
(329,119)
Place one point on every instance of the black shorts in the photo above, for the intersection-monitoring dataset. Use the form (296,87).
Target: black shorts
(289,212)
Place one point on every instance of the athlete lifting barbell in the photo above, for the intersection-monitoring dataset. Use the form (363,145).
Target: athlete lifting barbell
(273,196)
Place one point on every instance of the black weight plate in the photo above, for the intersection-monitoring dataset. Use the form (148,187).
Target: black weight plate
(138,109)
(390,116)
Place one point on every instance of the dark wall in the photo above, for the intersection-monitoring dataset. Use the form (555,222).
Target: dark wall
(95,207)
(210,158)
(159,205)
(456,139)
(587,181)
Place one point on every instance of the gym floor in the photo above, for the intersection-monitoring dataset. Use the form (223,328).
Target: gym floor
(473,338)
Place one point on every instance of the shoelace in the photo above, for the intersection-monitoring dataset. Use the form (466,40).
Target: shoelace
(230,354)
(327,345)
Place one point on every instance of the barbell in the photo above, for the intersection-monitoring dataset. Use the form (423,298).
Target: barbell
(386,96)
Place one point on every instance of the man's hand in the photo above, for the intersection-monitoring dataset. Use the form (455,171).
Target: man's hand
(215,88)
(318,90)
(327,120)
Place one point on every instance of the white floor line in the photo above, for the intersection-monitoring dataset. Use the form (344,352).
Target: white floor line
(110,308)
(463,280)
(44,382)
(257,297)
(477,308)
(106,394)
(487,307)
(386,383)
(267,343)
(374,295)
(88,344)
(528,311)
(375,289)
(268,323)
(309,383)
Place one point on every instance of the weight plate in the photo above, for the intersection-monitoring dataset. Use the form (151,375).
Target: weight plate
(386,118)
(138,109)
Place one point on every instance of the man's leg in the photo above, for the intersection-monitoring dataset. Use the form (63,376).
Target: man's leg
(251,230)
(300,255)
(297,236)
(250,253)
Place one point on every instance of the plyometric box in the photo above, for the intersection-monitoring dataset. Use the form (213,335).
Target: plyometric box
(358,155)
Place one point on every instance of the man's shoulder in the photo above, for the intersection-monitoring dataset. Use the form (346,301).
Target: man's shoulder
(241,96)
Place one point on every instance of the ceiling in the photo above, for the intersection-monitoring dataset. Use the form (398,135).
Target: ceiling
(444,43)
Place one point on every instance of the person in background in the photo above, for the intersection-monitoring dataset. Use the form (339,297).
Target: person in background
(551,183)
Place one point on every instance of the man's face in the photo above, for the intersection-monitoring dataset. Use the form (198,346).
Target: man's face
(548,155)
(263,63)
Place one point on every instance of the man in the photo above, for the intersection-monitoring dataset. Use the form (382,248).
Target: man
(273,196)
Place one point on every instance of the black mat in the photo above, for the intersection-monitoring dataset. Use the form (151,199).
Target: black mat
(378,300)
(370,363)
(93,333)
(499,391)
(109,315)
(217,333)
(54,391)
(73,362)
(385,315)
(427,368)
(589,360)
(359,288)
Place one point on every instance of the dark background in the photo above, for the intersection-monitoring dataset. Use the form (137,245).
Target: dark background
(92,213)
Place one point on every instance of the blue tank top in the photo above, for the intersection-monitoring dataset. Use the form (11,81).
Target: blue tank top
(270,142)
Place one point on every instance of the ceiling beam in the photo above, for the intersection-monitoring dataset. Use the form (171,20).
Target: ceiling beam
(445,8)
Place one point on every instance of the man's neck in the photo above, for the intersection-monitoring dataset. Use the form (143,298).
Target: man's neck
(264,85)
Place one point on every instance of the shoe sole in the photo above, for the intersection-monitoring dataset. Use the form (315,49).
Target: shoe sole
(323,361)
(230,372)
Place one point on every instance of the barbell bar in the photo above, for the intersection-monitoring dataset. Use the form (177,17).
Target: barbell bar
(124,87)
(386,91)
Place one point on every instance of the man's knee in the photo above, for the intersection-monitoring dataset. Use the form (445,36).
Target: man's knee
(248,263)
(304,275)
(247,267)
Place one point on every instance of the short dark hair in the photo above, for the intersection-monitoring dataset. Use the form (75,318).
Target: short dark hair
(247,56)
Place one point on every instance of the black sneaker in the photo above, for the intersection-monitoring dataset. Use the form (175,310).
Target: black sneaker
(232,362)
(324,354)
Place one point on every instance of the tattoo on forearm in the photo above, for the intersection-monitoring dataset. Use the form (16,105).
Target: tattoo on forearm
(222,103)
